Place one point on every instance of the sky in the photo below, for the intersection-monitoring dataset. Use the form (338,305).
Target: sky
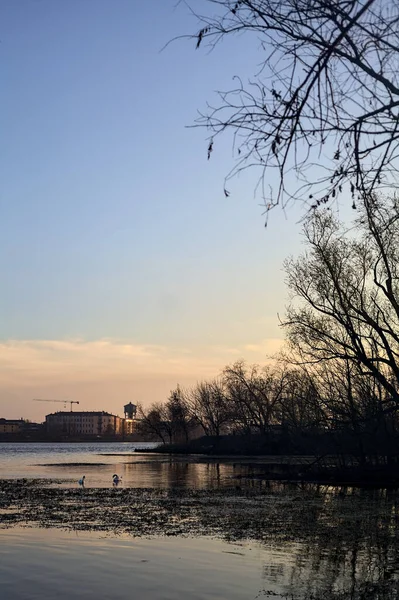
(125,270)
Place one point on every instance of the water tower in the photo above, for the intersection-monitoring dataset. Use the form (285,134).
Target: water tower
(130,410)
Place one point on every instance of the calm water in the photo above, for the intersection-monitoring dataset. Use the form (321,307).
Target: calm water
(346,545)
(50,564)
(98,462)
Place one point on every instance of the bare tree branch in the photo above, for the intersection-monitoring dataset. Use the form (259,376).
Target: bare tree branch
(323,109)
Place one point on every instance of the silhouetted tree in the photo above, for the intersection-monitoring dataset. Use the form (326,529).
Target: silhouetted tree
(347,287)
(300,407)
(208,405)
(253,392)
(152,421)
(178,413)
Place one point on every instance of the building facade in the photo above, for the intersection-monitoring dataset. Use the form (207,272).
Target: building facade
(82,423)
(11,425)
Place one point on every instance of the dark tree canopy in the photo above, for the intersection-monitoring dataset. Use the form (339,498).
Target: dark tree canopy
(322,107)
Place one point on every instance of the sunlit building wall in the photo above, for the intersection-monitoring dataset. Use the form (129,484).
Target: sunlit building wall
(85,423)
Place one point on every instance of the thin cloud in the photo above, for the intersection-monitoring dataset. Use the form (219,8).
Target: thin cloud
(103,374)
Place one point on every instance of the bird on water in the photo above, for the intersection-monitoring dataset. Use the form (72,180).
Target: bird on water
(116,479)
(82,480)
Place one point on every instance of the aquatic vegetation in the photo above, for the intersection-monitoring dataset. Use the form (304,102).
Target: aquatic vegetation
(344,540)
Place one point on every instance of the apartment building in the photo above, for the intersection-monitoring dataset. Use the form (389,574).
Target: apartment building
(11,425)
(90,423)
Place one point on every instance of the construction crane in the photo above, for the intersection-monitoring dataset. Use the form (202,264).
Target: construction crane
(51,400)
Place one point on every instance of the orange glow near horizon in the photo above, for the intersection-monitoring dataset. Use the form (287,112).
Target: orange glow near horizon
(106,374)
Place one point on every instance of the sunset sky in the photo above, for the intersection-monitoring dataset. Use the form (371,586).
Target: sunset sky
(124,268)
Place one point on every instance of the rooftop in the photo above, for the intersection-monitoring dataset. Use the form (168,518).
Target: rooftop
(87,413)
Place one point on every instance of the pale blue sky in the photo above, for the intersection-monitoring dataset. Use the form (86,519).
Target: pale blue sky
(113,223)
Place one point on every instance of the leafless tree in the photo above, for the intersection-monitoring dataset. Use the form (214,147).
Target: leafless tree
(322,108)
(178,414)
(169,421)
(209,407)
(152,421)
(300,408)
(254,393)
(360,413)
(346,291)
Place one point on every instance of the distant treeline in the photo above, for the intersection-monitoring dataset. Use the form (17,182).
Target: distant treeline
(280,410)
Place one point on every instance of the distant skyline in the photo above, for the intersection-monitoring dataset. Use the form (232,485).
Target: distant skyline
(124,268)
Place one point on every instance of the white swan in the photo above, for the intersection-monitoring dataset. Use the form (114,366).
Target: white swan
(116,479)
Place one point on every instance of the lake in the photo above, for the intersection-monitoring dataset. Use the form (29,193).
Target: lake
(201,535)
(50,564)
(98,462)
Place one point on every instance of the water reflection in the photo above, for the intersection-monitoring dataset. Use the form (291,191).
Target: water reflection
(171,474)
(83,566)
(332,547)
(344,547)
(351,571)
(314,541)
(100,461)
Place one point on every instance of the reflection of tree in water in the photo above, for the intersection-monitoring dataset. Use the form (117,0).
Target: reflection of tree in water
(168,472)
(319,542)
(325,542)
(164,473)
(349,548)
(198,475)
